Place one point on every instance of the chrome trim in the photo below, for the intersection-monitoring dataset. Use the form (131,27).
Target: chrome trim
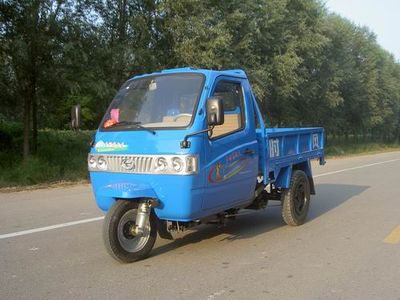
(143,164)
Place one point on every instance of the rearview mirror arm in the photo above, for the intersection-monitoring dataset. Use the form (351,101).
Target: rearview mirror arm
(186,144)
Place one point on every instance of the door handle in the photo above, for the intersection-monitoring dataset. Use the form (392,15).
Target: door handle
(248,152)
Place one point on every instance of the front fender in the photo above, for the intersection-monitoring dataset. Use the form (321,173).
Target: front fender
(106,195)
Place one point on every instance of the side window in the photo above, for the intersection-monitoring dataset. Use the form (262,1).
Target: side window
(232,99)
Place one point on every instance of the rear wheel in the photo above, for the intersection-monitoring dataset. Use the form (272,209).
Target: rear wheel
(296,199)
(119,235)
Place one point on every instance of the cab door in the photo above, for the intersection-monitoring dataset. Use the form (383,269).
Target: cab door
(232,154)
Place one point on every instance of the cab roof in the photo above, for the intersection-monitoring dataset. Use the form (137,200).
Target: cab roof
(208,73)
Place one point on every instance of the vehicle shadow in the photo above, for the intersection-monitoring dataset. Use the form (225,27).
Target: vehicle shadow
(253,223)
(329,196)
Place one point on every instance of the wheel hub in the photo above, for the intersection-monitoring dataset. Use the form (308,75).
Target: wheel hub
(299,199)
(128,237)
(129,230)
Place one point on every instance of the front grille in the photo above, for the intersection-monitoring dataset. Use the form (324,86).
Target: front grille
(129,163)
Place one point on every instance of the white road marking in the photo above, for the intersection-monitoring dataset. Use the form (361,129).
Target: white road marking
(213,295)
(40,229)
(356,168)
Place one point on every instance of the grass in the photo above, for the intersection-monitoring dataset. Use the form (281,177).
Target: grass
(62,157)
(347,149)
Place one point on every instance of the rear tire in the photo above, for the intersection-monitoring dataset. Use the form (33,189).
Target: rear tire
(120,243)
(296,199)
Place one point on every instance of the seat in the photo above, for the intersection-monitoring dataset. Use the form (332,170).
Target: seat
(231,123)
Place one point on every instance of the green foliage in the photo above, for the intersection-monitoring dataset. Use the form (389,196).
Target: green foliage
(10,135)
(351,148)
(61,156)
(299,58)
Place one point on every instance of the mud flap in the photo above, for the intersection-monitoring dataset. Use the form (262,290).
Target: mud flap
(163,231)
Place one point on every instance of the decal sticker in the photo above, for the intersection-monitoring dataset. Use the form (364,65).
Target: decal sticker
(218,176)
(234,163)
(273,147)
(110,146)
(114,118)
(315,142)
(152,85)
(115,114)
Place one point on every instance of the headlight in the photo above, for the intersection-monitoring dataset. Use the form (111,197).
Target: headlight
(102,163)
(191,164)
(161,164)
(182,165)
(92,163)
(177,164)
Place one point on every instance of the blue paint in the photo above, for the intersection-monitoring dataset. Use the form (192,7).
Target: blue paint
(240,157)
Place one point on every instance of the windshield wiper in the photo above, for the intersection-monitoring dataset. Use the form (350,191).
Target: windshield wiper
(129,124)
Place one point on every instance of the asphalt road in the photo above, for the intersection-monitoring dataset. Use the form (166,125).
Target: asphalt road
(348,249)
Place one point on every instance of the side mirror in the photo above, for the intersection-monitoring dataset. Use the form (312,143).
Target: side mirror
(76,116)
(215,111)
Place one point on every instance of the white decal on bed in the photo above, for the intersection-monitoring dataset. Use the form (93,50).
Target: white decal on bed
(273,147)
(315,142)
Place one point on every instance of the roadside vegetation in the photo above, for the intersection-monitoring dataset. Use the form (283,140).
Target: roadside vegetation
(307,66)
(61,156)
(335,149)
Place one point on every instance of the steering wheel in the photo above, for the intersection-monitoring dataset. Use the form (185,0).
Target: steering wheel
(181,116)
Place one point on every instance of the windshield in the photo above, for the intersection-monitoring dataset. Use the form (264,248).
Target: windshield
(155,102)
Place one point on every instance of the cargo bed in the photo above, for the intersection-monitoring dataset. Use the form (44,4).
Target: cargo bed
(283,147)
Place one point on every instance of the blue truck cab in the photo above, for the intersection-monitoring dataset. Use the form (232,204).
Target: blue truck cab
(187,146)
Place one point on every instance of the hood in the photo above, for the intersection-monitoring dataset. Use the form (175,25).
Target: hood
(141,142)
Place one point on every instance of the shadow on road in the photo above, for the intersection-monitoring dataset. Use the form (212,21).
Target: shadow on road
(253,223)
(330,196)
(246,226)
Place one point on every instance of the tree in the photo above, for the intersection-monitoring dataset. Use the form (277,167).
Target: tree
(31,33)
(308,67)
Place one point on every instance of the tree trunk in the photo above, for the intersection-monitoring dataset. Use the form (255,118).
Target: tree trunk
(33,43)
(30,111)
(34,122)
(27,126)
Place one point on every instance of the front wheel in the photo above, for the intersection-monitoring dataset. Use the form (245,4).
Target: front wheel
(119,235)
(296,199)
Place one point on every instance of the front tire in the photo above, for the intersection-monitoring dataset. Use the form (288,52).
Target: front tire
(296,199)
(118,238)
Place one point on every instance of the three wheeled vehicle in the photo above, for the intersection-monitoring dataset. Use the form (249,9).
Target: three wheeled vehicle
(188,146)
